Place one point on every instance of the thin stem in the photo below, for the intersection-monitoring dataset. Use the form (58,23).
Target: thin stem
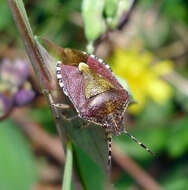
(22,22)
(68,168)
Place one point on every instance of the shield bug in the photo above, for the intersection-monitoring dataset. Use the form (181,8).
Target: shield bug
(94,91)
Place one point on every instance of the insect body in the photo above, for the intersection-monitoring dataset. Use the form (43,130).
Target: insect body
(95,93)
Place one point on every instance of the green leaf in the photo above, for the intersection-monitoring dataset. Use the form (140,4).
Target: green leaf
(90,172)
(17,165)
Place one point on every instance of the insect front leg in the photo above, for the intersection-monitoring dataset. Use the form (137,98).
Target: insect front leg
(55,106)
(61,106)
(64,107)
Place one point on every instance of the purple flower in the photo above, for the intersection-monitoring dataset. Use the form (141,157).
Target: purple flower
(15,90)
(15,72)
(23,97)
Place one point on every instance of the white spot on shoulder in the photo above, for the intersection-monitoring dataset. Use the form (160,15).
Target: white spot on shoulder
(100,60)
(93,56)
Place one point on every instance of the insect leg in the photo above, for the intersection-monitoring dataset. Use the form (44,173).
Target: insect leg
(109,144)
(61,106)
(69,118)
(138,142)
(53,105)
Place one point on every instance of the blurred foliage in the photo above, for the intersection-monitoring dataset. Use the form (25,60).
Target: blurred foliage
(162,111)
(178,178)
(54,19)
(44,117)
(17,163)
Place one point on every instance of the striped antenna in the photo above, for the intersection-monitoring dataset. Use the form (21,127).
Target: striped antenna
(138,142)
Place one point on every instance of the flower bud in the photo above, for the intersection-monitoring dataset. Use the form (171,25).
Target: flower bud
(92,14)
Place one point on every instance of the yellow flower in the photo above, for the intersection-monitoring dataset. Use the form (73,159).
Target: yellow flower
(143,77)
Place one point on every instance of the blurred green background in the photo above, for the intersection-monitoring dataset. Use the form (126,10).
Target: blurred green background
(150,52)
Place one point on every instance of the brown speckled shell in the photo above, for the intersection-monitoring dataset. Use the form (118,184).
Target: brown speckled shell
(103,109)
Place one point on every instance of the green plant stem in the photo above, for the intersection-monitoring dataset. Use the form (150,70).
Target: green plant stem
(23,25)
(67,178)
